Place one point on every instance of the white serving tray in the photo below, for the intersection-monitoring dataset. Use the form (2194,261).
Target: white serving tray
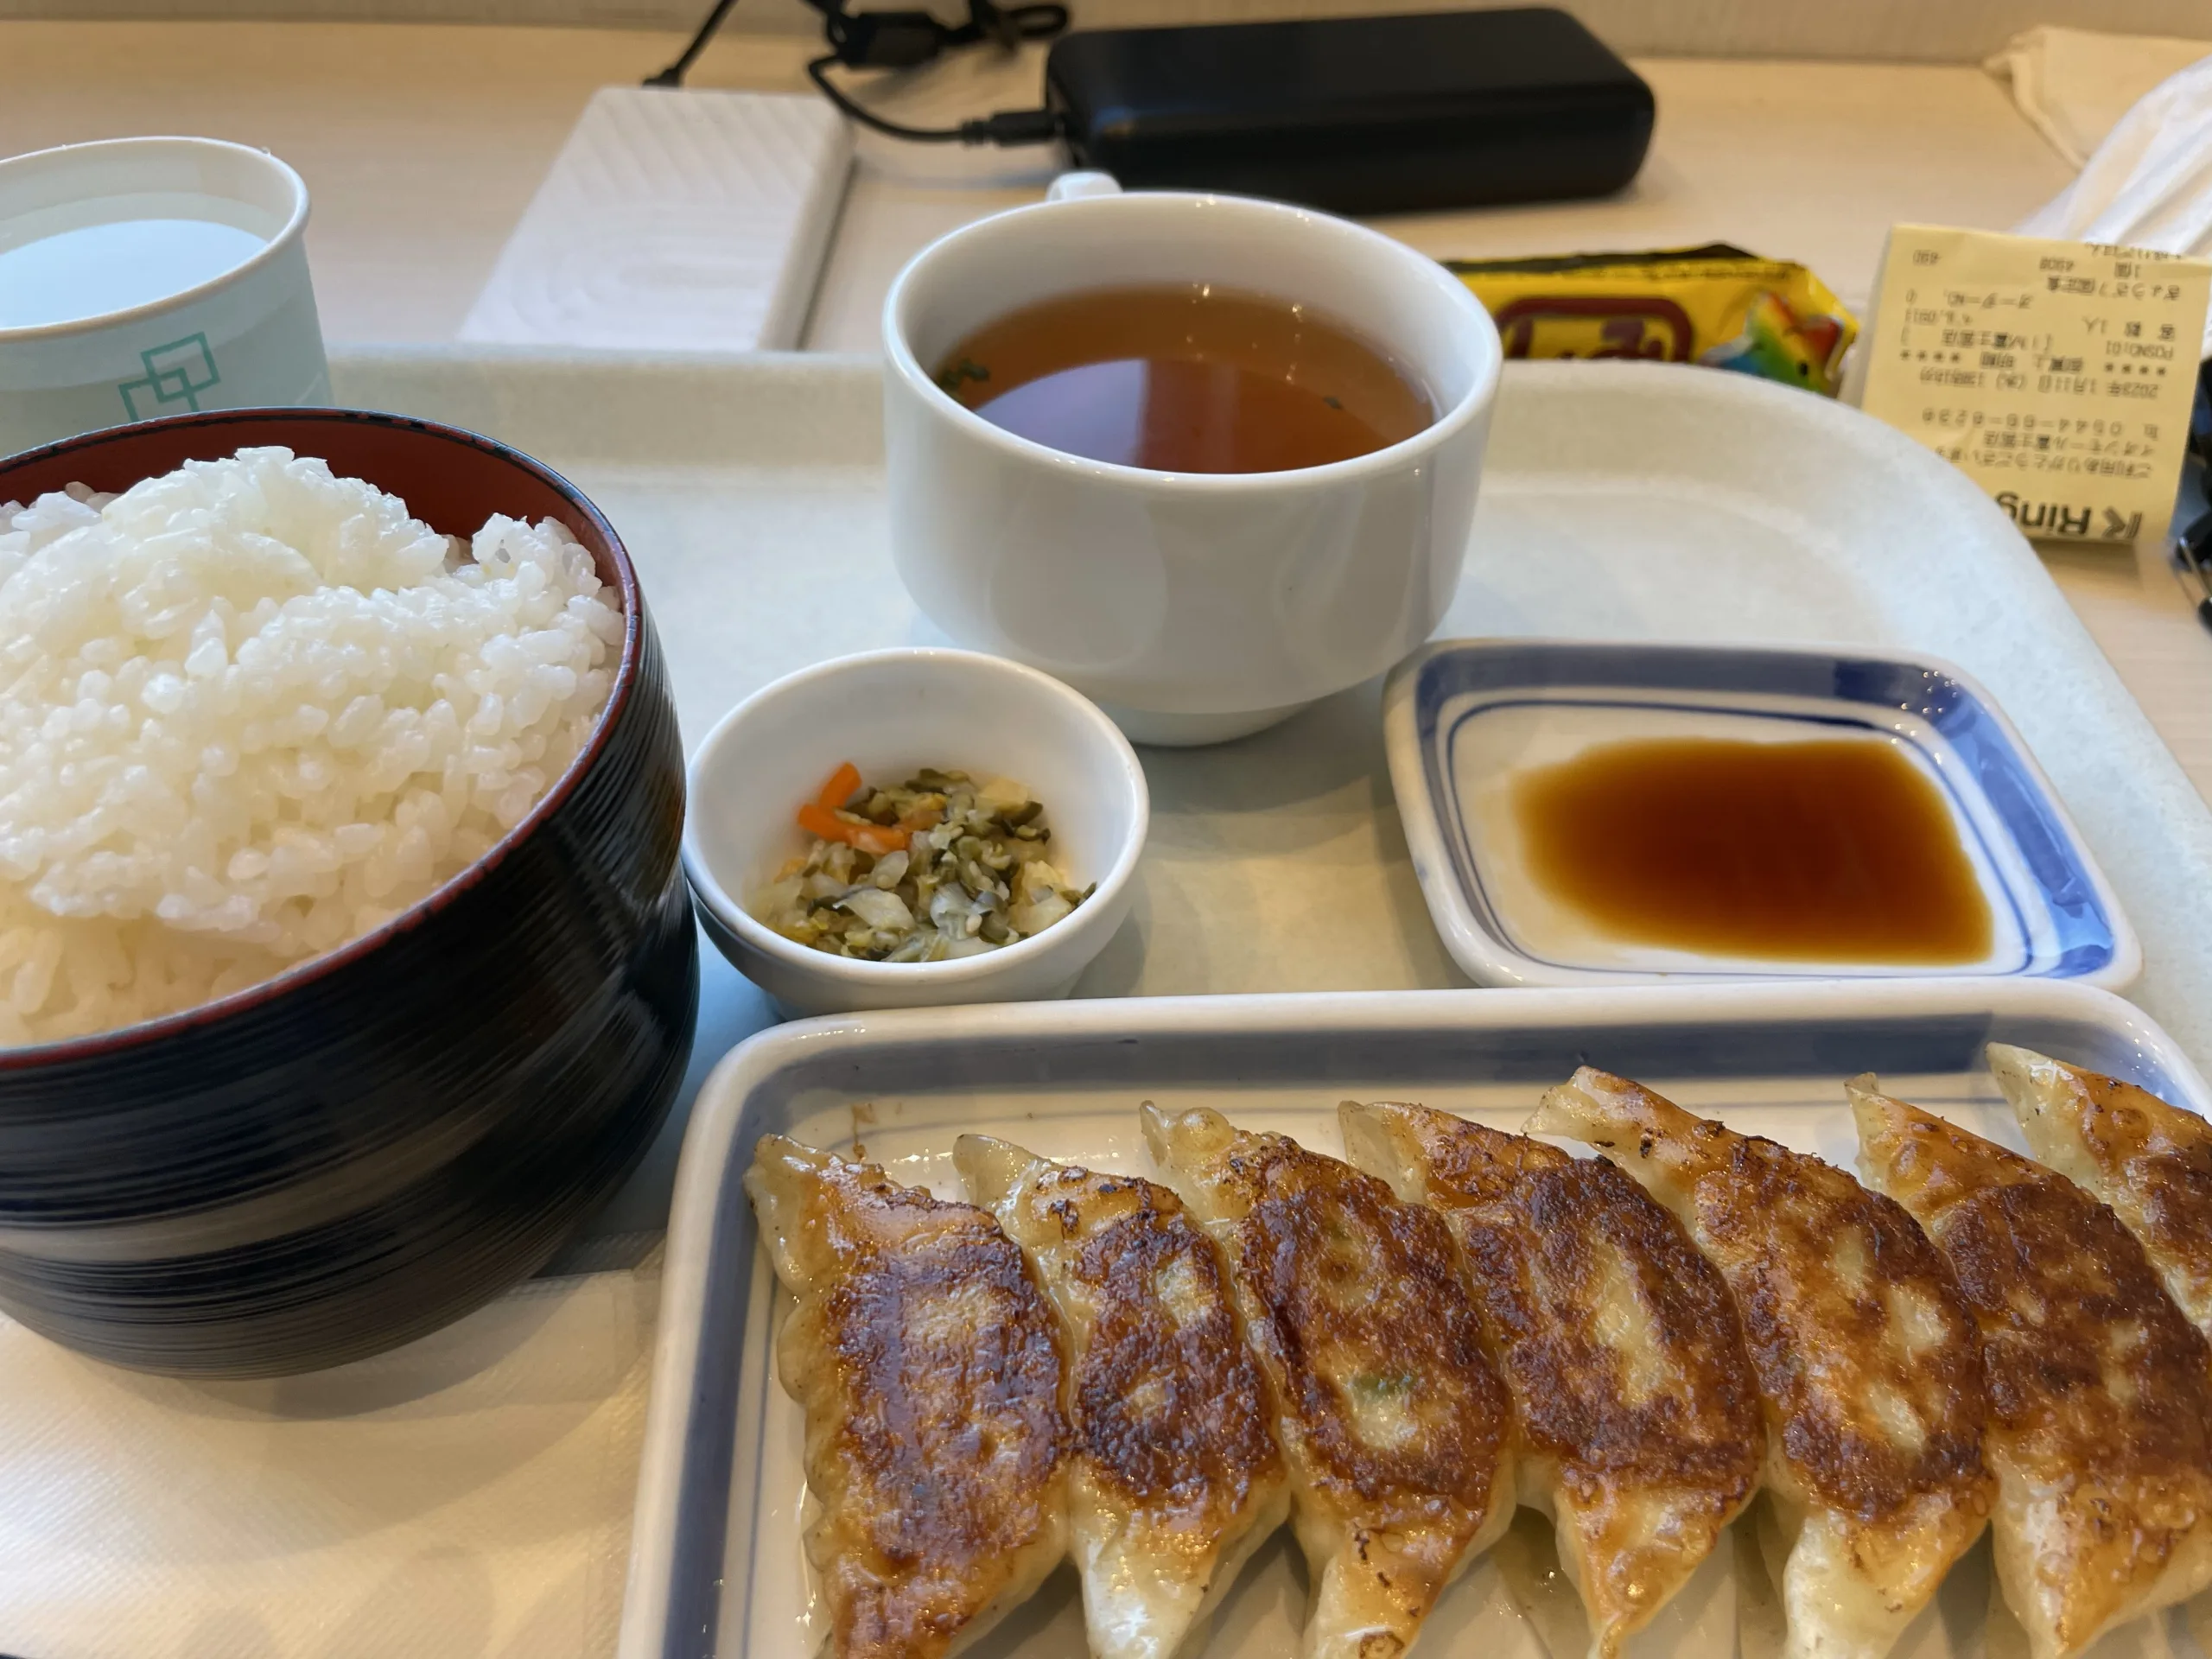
(1621,500)
(717,1566)
(1629,501)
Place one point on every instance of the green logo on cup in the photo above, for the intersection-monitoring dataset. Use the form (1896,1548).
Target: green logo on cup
(176,375)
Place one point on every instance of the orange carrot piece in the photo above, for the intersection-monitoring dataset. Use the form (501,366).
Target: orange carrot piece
(839,789)
(819,820)
(879,839)
(874,838)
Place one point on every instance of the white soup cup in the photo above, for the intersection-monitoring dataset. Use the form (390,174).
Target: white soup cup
(1194,607)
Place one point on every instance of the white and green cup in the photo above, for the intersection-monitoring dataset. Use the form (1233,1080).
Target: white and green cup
(148,276)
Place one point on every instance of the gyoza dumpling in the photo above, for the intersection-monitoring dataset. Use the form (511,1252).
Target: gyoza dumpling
(928,1364)
(1174,1475)
(1869,1369)
(1637,1414)
(1392,1423)
(2100,1391)
(2150,1161)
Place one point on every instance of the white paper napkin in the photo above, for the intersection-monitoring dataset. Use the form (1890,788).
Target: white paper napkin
(2148,183)
(2074,85)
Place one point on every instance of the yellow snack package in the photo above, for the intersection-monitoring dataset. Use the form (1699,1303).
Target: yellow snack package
(1716,305)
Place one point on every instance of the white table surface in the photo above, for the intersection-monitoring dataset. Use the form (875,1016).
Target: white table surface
(469,1496)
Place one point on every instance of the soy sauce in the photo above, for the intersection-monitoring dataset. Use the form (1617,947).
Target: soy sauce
(1831,851)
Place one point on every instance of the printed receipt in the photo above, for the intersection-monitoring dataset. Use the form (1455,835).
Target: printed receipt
(2057,375)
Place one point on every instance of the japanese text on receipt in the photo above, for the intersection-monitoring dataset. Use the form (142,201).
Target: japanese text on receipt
(2057,375)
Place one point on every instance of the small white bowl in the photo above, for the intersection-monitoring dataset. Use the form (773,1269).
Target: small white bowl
(889,712)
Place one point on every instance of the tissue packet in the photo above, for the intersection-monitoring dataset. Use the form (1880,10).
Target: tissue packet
(1716,305)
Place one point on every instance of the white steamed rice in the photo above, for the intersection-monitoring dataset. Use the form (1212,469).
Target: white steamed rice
(250,710)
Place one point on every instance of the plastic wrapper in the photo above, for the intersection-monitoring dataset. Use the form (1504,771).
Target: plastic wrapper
(1715,305)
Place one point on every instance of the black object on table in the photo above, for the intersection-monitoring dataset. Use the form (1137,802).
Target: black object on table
(1357,115)
(2193,545)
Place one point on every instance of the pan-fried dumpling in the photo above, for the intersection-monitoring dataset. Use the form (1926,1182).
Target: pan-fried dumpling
(928,1364)
(2150,1162)
(1869,1369)
(1174,1476)
(1393,1425)
(2100,1391)
(1637,1414)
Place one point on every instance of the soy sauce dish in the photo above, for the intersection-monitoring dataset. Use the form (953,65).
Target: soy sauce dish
(428,1051)
(1590,813)
(968,826)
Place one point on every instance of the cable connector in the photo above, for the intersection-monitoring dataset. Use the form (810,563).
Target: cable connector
(907,40)
(1013,127)
(886,40)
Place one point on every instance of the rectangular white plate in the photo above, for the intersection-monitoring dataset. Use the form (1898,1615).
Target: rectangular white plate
(717,1566)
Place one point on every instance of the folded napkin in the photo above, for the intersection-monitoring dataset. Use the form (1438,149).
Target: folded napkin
(2074,85)
(2148,182)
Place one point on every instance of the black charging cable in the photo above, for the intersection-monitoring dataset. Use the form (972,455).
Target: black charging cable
(907,40)
(673,75)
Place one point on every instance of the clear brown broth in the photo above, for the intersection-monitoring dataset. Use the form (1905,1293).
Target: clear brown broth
(1831,851)
(1186,378)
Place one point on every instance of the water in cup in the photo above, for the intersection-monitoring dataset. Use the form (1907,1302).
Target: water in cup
(91,258)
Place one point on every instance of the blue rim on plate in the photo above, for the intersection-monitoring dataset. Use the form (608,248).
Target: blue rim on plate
(2063,915)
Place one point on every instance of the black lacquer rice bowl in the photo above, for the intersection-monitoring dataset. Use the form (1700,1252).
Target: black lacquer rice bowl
(377,1141)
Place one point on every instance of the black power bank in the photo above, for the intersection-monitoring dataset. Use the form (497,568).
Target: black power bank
(1357,115)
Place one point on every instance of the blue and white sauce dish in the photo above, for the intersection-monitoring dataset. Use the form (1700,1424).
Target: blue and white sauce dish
(1463,719)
